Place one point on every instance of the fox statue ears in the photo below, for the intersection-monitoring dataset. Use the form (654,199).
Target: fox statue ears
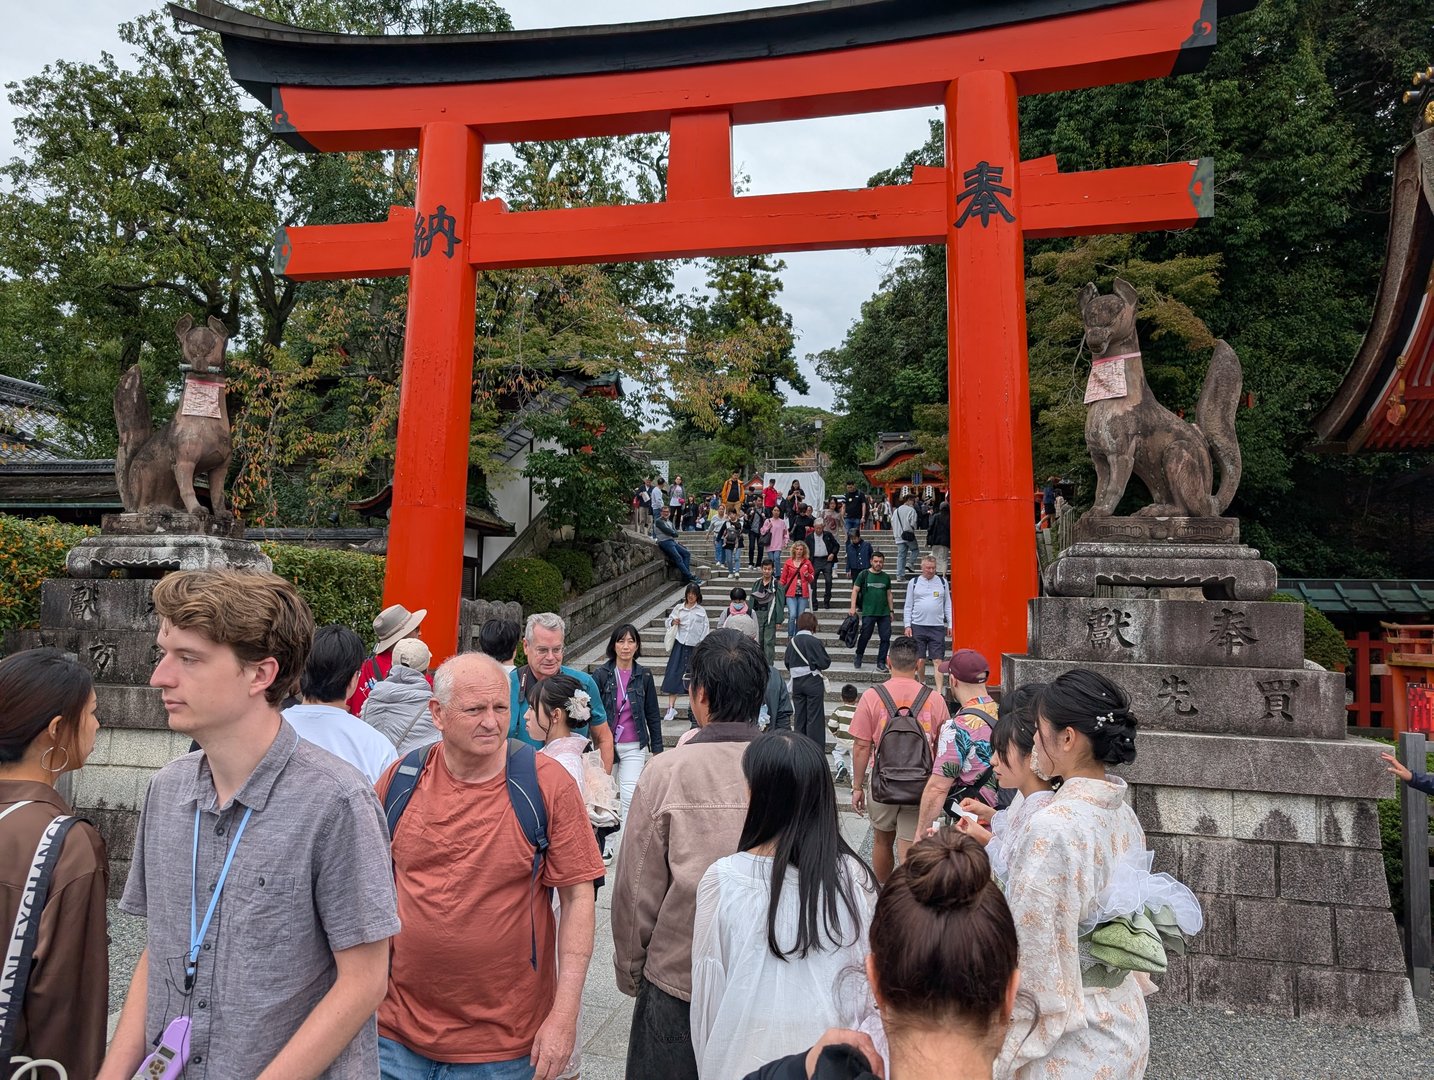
(1123,289)
(186,324)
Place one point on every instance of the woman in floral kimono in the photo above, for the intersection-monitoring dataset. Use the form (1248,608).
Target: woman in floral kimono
(1065,1027)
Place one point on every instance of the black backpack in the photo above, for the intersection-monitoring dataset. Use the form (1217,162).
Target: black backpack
(902,763)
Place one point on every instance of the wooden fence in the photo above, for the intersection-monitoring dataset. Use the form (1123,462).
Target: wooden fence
(1414,820)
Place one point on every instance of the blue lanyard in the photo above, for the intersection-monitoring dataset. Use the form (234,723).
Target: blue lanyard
(197,933)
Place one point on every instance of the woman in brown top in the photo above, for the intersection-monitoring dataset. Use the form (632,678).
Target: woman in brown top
(48,727)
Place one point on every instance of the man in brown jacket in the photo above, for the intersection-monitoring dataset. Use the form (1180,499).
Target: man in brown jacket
(686,813)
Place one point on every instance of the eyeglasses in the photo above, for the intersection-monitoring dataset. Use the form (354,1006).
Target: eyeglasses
(687,680)
(546,650)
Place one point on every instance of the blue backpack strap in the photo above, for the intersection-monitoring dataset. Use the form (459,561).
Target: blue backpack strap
(405,779)
(527,800)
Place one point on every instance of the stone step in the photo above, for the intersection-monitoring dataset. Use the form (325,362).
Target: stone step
(1289,702)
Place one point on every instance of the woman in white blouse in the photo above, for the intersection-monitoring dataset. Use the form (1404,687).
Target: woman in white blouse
(780,934)
(689,621)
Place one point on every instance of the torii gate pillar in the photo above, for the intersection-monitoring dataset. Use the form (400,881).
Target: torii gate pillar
(435,411)
(990,470)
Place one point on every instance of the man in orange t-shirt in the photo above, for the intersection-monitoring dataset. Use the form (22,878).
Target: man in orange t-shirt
(463,988)
(891,826)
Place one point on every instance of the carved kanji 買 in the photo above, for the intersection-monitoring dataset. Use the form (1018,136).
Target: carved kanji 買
(1278,697)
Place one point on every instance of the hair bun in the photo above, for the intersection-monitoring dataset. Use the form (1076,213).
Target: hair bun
(1115,744)
(947,871)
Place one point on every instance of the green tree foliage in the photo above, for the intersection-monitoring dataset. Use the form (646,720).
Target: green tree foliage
(1298,109)
(743,306)
(183,185)
(584,467)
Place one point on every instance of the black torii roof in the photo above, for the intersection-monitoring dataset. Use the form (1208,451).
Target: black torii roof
(264,54)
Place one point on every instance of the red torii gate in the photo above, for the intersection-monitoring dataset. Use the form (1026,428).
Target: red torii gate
(694,78)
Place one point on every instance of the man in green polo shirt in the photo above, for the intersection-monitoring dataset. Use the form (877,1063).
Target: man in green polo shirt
(872,593)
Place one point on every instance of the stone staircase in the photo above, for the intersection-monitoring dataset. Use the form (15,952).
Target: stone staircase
(718,584)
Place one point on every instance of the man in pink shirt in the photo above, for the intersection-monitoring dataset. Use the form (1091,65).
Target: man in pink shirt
(894,826)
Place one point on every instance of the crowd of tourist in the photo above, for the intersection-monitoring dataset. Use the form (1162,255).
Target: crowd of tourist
(410,891)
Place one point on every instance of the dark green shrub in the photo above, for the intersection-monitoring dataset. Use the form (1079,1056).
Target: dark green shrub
(31,550)
(533,583)
(575,566)
(344,587)
(1324,644)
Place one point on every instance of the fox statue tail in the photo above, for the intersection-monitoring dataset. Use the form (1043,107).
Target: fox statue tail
(1215,416)
(133,424)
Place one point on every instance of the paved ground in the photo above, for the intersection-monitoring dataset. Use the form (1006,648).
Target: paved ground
(1186,1044)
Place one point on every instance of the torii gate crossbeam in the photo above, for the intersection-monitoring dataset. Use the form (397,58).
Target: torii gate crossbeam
(695,79)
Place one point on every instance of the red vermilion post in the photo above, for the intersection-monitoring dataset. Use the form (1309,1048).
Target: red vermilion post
(992,528)
(430,483)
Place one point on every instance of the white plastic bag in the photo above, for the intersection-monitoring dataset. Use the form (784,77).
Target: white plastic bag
(600,791)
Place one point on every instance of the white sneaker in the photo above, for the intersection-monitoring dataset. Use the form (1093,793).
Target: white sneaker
(669,716)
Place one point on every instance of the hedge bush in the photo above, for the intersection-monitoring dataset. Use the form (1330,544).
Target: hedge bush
(1324,644)
(575,566)
(344,587)
(31,550)
(533,583)
(340,586)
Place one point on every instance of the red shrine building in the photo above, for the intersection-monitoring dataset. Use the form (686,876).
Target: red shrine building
(1386,402)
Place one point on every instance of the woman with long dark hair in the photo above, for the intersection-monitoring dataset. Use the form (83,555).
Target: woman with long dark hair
(942,971)
(48,727)
(782,923)
(629,697)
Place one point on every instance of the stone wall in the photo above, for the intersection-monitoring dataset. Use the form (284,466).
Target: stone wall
(596,609)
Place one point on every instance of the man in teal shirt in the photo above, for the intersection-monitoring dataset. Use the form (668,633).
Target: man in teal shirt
(543,643)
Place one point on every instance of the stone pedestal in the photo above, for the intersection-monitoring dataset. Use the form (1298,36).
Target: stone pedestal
(141,555)
(1246,785)
(109,624)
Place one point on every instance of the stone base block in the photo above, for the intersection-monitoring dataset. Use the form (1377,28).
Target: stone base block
(94,604)
(1354,998)
(1148,528)
(1221,571)
(170,523)
(1142,631)
(1348,769)
(1217,982)
(155,556)
(1303,702)
(137,707)
(121,657)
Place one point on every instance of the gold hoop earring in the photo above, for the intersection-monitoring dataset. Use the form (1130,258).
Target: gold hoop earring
(51,750)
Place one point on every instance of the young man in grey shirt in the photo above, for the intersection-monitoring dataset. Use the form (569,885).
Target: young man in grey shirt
(273,850)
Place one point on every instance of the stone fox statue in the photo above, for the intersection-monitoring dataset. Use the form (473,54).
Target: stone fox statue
(1127,430)
(155,469)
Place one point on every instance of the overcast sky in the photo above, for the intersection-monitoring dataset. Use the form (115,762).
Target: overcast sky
(823,290)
